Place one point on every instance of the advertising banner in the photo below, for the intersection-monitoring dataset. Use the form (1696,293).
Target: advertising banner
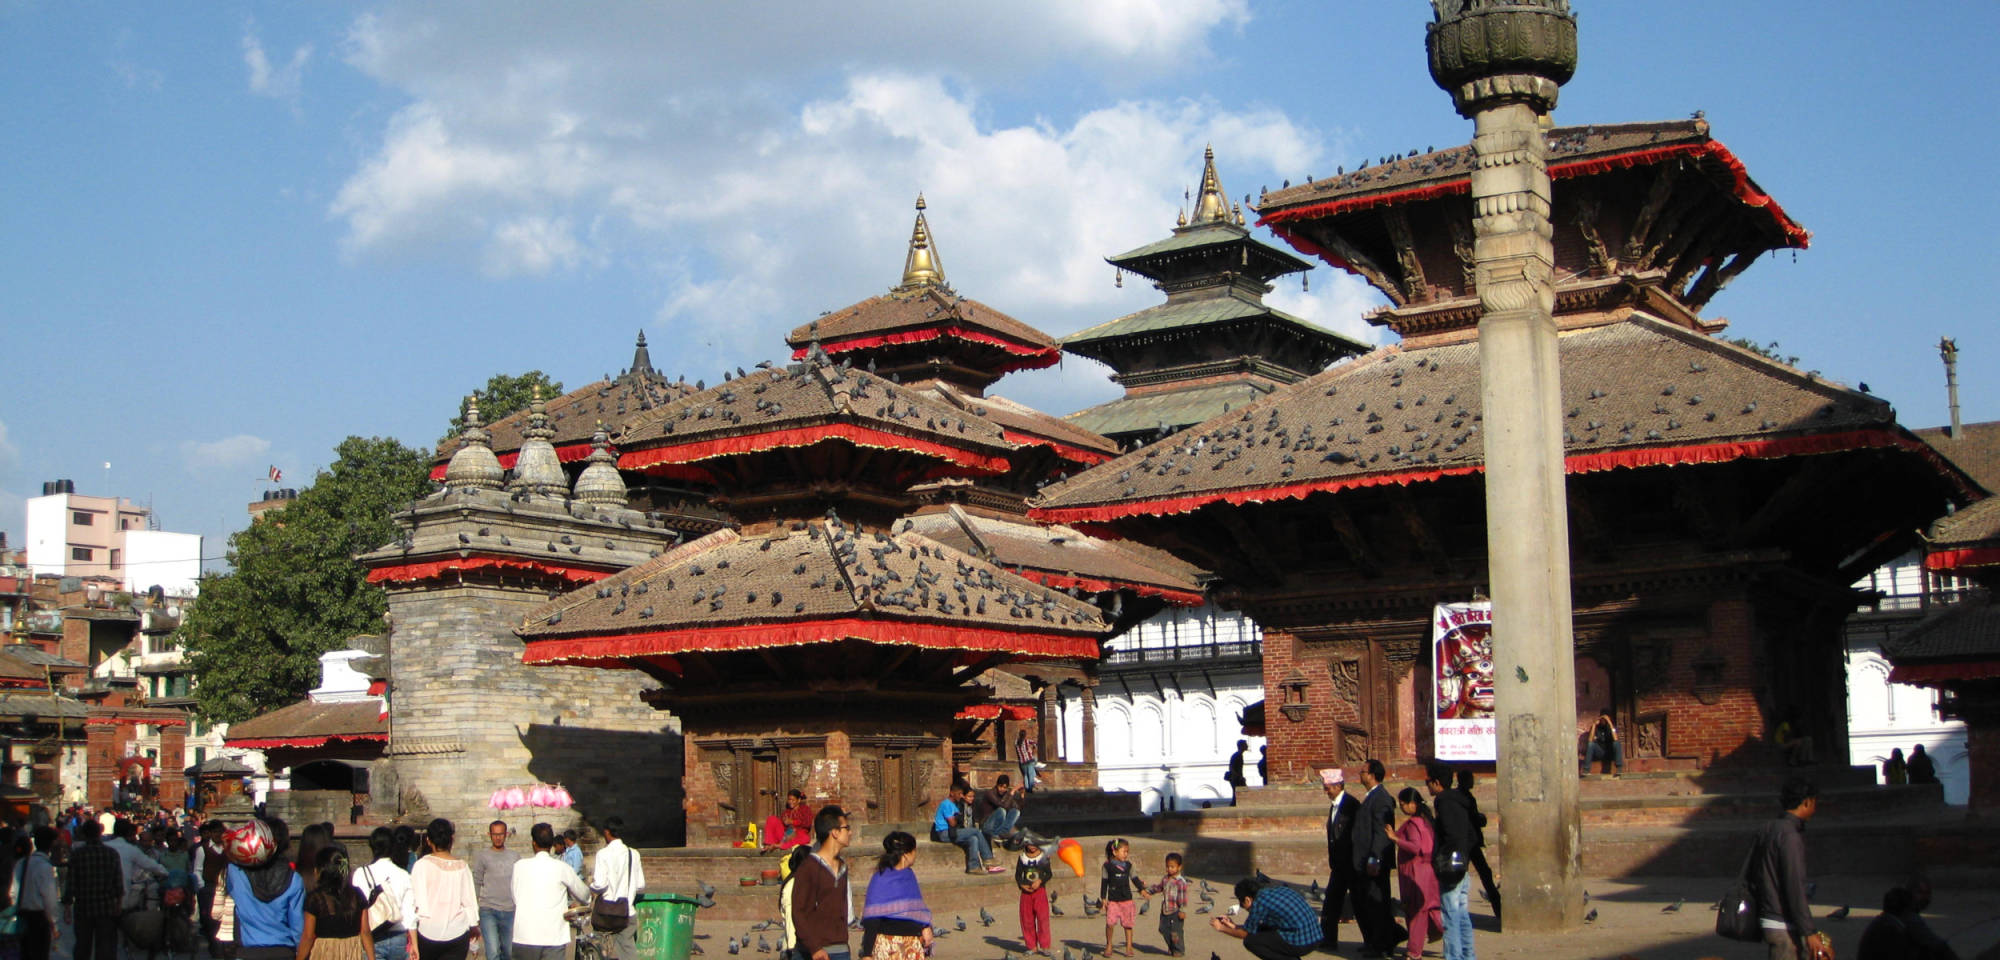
(1462,649)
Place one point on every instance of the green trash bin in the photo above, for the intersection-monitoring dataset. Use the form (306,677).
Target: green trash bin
(666,925)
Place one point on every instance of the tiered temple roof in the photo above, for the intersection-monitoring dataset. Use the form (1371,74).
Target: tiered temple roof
(1214,344)
(1637,393)
(1660,206)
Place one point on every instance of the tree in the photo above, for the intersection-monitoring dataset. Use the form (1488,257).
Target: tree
(294,590)
(504,395)
(1769,351)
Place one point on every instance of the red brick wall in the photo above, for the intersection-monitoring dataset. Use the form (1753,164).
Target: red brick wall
(102,748)
(1297,747)
(1731,729)
(173,752)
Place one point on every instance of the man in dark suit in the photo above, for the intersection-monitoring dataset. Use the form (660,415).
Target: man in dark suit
(1341,812)
(1374,863)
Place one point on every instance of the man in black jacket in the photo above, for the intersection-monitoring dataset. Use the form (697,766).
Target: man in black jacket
(1451,855)
(1341,812)
(1374,862)
(1778,878)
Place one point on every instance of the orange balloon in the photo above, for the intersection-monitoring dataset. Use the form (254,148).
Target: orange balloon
(1071,852)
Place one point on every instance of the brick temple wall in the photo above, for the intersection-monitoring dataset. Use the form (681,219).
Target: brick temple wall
(832,759)
(467,716)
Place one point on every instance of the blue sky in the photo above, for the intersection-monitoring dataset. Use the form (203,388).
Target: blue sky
(239,232)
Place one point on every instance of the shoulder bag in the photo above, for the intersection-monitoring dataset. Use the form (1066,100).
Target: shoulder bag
(384,909)
(1736,914)
(613,916)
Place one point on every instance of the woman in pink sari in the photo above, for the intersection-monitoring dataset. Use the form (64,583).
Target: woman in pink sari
(1414,842)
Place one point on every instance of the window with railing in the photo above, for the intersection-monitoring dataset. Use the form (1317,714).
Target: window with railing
(1180,634)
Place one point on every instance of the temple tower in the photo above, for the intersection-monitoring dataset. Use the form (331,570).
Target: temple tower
(1214,345)
(1503,64)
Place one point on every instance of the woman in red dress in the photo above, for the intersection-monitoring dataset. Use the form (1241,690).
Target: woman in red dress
(1414,843)
(791,826)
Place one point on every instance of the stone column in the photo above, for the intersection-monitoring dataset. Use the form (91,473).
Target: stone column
(1087,700)
(1503,65)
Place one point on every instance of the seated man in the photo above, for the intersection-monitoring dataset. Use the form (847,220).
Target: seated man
(953,824)
(1278,924)
(998,811)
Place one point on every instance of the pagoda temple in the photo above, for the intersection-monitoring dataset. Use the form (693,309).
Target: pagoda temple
(880,571)
(1721,503)
(1214,345)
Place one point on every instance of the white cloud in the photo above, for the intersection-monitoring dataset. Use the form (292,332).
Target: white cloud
(276,82)
(764,167)
(232,451)
(124,63)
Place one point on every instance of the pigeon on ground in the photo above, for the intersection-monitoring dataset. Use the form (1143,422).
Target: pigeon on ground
(1590,917)
(1054,911)
(959,922)
(1204,908)
(1090,910)
(1674,907)
(1092,903)
(733,948)
(1067,953)
(694,949)
(1144,905)
(1839,914)
(763,945)
(985,917)
(1313,892)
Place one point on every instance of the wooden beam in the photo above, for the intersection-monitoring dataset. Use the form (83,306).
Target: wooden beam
(1584,522)
(1649,213)
(979,666)
(1398,222)
(1253,552)
(1349,535)
(1361,263)
(1419,528)
(1718,275)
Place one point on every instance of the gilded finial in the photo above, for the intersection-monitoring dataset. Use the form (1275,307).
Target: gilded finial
(1212,206)
(922,267)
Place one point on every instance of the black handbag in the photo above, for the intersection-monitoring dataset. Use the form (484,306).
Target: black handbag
(613,916)
(1736,914)
(1449,865)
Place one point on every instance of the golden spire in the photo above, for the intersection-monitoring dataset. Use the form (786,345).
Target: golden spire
(922,267)
(1212,206)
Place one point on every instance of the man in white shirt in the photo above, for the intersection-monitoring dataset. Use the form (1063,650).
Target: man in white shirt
(141,870)
(393,941)
(36,898)
(618,875)
(543,889)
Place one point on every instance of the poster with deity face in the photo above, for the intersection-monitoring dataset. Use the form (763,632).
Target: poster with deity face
(1462,649)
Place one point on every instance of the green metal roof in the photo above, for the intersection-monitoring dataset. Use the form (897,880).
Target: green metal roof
(1199,312)
(1174,408)
(1208,235)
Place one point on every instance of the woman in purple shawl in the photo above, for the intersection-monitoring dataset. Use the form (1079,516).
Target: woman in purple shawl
(895,924)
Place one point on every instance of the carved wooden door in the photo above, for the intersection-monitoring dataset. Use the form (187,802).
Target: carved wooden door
(765,798)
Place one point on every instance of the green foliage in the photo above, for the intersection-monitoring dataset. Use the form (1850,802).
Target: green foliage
(1770,351)
(294,590)
(504,395)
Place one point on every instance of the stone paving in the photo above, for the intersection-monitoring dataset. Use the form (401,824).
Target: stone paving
(1630,922)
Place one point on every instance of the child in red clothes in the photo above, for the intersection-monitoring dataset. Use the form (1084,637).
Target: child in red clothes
(1414,842)
(1032,874)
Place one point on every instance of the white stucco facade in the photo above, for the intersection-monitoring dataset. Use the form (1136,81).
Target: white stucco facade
(1168,704)
(1883,716)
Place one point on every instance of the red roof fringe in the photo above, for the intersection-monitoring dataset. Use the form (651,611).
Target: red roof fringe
(859,436)
(1960,559)
(155,721)
(1581,463)
(1940,672)
(608,650)
(994,711)
(567,453)
(1071,453)
(1744,189)
(1180,598)
(269,742)
(410,572)
(1034,357)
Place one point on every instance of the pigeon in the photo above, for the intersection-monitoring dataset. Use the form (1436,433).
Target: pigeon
(763,945)
(985,917)
(1838,914)
(1314,893)
(694,949)
(1674,907)
(1590,917)
(1092,903)
(1144,905)
(1204,908)
(704,901)
(1090,910)
(1054,911)
(1067,953)
(959,922)
(733,948)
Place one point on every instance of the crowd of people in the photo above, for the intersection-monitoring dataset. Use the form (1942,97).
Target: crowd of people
(127,888)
